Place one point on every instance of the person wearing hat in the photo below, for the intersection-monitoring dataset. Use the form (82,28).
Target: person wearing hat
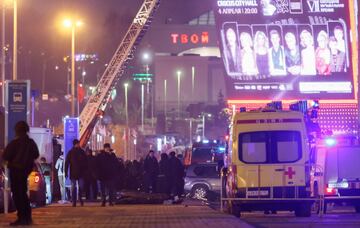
(107,168)
(75,165)
(20,155)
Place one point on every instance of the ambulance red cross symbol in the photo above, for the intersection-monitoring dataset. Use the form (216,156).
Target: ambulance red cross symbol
(290,173)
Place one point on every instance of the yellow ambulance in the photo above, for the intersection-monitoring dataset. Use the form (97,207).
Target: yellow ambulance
(267,163)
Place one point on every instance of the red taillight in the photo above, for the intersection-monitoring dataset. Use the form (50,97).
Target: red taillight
(330,191)
(37,179)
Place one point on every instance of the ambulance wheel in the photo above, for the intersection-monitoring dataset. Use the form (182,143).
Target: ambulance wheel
(236,210)
(357,207)
(303,210)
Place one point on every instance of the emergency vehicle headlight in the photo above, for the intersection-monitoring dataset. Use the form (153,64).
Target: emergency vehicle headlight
(330,142)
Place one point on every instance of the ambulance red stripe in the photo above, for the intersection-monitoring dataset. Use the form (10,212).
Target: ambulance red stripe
(268,121)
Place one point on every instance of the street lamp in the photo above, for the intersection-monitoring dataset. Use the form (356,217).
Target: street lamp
(70,23)
(203,120)
(126,85)
(146,59)
(15,42)
(192,80)
(165,97)
(178,92)
(3,54)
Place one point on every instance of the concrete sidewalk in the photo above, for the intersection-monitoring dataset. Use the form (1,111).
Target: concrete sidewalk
(92,215)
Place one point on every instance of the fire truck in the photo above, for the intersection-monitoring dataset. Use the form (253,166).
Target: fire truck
(338,178)
(98,101)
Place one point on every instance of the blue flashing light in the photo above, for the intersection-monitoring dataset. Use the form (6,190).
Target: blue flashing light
(222,149)
(330,142)
(205,141)
(315,104)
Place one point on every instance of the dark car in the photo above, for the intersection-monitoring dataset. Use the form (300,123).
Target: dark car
(201,179)
(36,187)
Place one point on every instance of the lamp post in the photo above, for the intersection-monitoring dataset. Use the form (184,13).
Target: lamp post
(146,59)
(126,85)
(15,42)
(165,97)
(3,55)
(192,80)
(69,23)
(142,106)
(178,91)
(203,120)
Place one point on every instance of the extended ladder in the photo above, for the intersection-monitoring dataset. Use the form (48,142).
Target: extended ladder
(99,99)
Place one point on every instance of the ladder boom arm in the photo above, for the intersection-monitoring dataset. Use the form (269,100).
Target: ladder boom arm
(124,53)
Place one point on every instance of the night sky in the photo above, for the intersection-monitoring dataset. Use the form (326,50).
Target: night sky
(42,39)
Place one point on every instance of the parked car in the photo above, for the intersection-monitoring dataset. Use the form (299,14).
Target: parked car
(201,179)
(37,187)
(2,186)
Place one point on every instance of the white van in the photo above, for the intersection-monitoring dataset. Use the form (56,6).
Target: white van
(43,138)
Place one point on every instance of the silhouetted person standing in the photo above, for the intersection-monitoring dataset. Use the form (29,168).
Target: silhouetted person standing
(76,161)
(20,155)
(176,176)
(108,166)
(151,169)
(164,175)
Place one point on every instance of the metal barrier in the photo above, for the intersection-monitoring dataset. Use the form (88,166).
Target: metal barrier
(318,199)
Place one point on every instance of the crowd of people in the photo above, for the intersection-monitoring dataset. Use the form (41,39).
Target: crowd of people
(87,170)
(103,173)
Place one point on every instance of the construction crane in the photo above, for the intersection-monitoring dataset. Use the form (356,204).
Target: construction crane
(98,101)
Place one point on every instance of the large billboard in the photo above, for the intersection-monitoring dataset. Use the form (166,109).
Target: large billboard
(286,49)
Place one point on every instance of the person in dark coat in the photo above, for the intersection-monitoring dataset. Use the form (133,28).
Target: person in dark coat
(20,155)
(76,165)
(176,176)
(108,166)
(90,177)
(151,170)
(164,174)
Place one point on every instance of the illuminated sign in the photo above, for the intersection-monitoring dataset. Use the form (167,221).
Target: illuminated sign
(180,38)
(142,77)
(287,49)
